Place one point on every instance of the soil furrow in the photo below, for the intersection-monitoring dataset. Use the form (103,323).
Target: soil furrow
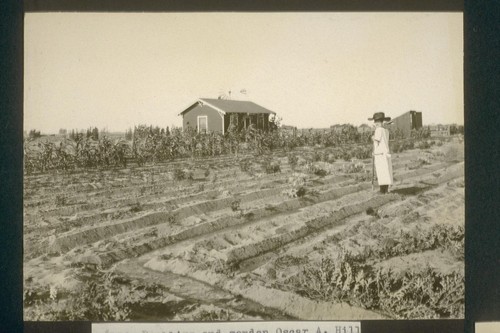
(201,292)
(148,244)
(67,241)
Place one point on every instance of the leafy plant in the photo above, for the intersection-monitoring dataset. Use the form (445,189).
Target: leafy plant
(315,169)
(61,200)
(293,161)
(425,294)
(245,164)
(235,205)
(419,294)
(270,166)
(179,174)
(103,296)
(136,207)
(206,313)
(353,168)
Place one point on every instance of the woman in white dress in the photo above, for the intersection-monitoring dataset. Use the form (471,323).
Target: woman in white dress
(381,154)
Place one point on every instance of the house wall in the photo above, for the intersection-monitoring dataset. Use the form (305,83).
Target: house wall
(408,121)
(403,122)
(214,119)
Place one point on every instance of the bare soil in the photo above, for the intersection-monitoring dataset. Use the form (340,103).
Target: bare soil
(225,244)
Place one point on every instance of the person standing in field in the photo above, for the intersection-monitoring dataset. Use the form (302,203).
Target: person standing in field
(381,154)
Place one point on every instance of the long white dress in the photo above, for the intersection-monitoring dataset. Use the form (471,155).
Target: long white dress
(383,162)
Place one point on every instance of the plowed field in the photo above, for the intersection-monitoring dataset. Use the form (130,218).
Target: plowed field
(228,244)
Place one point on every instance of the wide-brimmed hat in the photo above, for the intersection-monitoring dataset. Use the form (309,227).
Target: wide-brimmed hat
(379,116)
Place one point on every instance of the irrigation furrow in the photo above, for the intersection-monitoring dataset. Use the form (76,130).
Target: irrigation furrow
(68,241)
(412,208)
(244,252)
(95,233)
(200,292)
(149,203)
(148,244)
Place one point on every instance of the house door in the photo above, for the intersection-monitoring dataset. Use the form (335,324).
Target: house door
(202,124)
(260,122)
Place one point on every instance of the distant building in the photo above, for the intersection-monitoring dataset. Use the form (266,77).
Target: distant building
(439,130)
(411,120)
(217,115)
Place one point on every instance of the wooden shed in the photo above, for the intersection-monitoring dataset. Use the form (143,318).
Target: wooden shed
(217,115)
(411,120)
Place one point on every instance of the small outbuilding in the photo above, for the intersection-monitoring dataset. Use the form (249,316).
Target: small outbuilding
(439,130)
(218,115)
(411,120)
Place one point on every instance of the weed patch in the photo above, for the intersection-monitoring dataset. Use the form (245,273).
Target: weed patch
(103,296)
(426,294)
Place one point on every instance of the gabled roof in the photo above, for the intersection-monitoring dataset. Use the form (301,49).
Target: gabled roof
(230,106)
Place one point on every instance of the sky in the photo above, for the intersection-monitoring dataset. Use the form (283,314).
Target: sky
(117,70)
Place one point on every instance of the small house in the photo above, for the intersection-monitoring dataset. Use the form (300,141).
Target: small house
(219,115)
(411,120)
(439,130)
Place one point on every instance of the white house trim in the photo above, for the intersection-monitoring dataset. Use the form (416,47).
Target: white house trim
(212,106)
(219,111)
(188,106)
(198,123)
(222,119)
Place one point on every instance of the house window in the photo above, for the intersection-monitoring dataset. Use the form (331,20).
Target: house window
(202,124)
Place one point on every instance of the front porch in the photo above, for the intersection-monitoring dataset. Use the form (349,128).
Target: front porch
(240,121)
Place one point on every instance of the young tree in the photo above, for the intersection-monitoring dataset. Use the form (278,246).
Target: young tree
(33,134)
(95,134)
(129,134)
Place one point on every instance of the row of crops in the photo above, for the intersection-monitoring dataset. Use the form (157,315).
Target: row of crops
(150,145)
